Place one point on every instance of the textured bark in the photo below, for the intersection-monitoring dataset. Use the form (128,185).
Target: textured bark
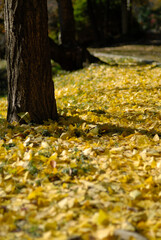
(30,85)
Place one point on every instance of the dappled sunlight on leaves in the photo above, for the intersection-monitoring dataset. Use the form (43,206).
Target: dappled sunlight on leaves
(94,174)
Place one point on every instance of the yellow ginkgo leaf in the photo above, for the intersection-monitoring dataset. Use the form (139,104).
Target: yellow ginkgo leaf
(103,218)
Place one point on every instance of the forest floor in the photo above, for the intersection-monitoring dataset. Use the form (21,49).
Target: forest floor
(96,173)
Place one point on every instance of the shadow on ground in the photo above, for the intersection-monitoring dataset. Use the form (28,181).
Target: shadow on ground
(106,128)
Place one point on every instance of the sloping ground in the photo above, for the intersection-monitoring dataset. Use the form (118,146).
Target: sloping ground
(96,173)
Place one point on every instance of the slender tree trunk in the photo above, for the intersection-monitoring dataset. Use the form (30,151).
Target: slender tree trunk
(30,85)
(70,55)
(124,17)
(130,17)
(107,19)
(67,23)
(91,7)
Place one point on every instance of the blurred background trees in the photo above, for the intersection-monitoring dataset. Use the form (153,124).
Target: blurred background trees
(105,22)
(100,22)
(75,25)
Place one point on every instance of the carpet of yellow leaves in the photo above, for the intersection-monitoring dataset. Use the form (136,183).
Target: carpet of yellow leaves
(96,173)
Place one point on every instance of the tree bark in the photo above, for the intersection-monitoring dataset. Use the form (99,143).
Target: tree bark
(124,17)
(71,58)
(107,19)
(70,55)
(91,7)
(67,23)
(30,85)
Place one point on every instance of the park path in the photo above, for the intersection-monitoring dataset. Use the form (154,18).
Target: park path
(117,57)
(138,53)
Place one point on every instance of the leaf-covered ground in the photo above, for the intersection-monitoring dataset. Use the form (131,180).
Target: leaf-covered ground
(96,173)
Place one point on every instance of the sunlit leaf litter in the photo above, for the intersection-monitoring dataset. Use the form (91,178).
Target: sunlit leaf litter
(94,174)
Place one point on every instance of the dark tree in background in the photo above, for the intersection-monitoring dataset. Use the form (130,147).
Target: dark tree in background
(99,15)
(92,9)
(30,85)
(70,55)
(126,7)
(67,23)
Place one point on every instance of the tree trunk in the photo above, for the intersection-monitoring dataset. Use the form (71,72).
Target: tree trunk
(67,23)
(70,55)
(107,19)
(124,17)
(71,58)
(91,7)
(30,85)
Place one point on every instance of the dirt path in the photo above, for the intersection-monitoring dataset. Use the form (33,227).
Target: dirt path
(148,53)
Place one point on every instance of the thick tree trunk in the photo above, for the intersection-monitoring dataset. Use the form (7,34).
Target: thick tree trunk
(30,85)
(71,58)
